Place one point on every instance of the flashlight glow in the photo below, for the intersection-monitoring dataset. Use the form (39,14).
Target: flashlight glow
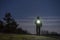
(38,21)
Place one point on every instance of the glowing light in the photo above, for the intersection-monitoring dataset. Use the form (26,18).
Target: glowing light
(38,21)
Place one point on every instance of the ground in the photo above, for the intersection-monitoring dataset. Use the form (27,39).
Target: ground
(24,37)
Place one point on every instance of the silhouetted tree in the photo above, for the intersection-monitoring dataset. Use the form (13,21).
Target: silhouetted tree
(1,26)
(10,23)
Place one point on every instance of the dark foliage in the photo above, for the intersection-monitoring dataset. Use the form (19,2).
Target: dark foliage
(20,31)
(1,26)
(10,25)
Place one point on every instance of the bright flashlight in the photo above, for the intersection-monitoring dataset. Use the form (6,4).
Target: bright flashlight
(38,21)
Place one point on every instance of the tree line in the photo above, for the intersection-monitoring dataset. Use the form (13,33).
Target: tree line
(9,25)
(50,34)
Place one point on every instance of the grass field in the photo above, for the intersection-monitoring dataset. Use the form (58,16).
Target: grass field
(24,37)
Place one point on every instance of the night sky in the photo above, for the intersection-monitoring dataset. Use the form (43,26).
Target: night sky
(26,11)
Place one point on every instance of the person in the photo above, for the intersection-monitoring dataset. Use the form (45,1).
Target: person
(38,25)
